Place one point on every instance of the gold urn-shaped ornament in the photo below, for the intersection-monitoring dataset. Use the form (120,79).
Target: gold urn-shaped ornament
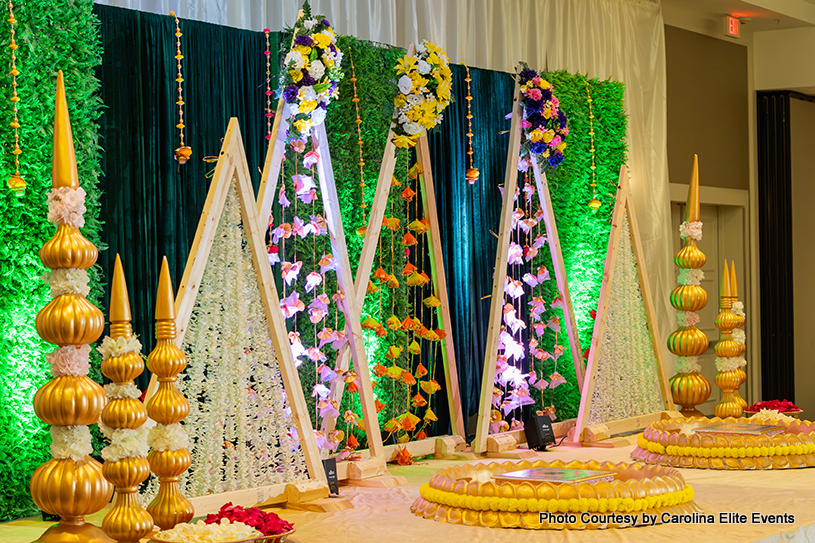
(168,407)
(127,521)
(71,484)
(688,387)
(729,351)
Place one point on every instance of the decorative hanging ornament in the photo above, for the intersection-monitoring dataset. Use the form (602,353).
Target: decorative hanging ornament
(15,181)
(361,162)
(594,203)
(269,112)
(183,153)
(472,173)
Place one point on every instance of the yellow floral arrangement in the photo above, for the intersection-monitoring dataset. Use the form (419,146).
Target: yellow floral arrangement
(677,443)
(425,89)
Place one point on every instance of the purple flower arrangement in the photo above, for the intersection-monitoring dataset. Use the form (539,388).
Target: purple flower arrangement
(544,124)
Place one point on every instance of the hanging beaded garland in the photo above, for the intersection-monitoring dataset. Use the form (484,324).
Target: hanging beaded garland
(472,173)
(269,112)
(183,153)
(594,203)
(361,162)
(15,182)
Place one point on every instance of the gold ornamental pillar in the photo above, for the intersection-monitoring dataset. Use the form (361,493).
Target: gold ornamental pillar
(127,521)
(168,407)
(71,484)
(689,388)
(728,351)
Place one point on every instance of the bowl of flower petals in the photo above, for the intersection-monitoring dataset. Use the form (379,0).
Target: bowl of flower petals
(220,532)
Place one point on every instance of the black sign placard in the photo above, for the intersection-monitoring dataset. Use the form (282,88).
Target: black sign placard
(539,432)
(330,466)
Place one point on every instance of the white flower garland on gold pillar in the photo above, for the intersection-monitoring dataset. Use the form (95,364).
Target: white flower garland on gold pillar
(240,425)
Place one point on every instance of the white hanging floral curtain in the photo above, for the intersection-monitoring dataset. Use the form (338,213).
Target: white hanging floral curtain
(619,39)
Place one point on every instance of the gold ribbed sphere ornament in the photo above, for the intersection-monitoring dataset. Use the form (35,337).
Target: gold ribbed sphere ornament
(168,406)
(690,389)
(731,404)
(66,487)
(127,521)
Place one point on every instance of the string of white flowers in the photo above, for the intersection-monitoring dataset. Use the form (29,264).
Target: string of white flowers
(72,442)
(168,437)
(119,346)
(688,364)
(626,382)
(690,276)
(730,363)
(67,280)
(239,422)
(739,337)
(691,230)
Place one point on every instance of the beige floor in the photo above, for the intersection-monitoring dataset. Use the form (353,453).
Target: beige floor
(384,514)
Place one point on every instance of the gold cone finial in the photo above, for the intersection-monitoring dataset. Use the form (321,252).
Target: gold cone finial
(165,304)
(692,208)
(725,286)
(734,287)
(63,172)
(119,300)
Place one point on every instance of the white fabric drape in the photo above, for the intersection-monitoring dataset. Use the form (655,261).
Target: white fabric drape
(619,39)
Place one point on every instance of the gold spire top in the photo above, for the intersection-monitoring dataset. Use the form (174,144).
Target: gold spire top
(64,172)
(692,208)
(734,287)
(725,286)
(165,304)
(119,300)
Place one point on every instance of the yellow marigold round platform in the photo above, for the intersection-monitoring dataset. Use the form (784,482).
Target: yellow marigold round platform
(467,494)
(676,443)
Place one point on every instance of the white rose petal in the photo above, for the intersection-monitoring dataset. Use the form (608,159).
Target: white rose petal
(309,24)
(414,99)
(317,69)
(405,85)
(423,67)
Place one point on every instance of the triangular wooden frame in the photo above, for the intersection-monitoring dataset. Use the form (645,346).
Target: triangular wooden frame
(480,445)
(373,230)
(589,435)
(351,307)
(231,165)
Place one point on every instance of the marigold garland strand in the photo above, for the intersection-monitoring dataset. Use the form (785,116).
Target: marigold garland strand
(472,173)
(594,203)
(183,153)
(15,182)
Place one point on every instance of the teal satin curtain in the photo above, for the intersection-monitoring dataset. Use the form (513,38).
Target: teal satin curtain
(151,204)
(469,213)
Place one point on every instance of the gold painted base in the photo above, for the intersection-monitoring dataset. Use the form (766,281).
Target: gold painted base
(71,533)
(691,412)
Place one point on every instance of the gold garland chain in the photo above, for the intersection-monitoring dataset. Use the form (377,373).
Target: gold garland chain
(594,203)
(269,114)
(472,173)
(358,121)
(183,153)
(15,182)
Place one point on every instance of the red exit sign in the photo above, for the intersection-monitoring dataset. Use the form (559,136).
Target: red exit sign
(731,26)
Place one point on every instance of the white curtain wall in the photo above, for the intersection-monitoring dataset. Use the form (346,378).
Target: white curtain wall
(619,39)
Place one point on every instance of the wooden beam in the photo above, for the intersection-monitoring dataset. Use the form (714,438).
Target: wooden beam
(496,303)
(560,270)
(600,323)
(271,166)
(345,281)
(439,282)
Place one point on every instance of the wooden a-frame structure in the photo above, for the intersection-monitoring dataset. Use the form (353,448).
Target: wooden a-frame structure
(598,434)
(499,444)
(375,465)
(232,168)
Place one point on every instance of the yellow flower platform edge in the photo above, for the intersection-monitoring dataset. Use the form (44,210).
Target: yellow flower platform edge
(662,444)
(466,495)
